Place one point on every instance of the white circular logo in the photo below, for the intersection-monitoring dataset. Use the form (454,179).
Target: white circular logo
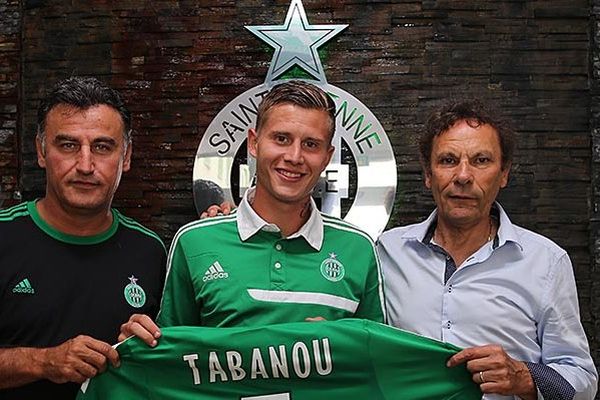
(223,170)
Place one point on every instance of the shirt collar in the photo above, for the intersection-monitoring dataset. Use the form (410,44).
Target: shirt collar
(506,231)
(249,222)
(423,231)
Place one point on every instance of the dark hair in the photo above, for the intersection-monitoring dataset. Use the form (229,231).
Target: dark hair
(475,113)
(83,93)
(299,93)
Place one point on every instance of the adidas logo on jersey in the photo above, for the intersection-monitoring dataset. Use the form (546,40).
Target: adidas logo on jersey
(214,272)
(24,287)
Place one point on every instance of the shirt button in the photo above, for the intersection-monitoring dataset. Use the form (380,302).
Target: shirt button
(449,324)
(448,258)
(277,265)
(277,247)
(450,289)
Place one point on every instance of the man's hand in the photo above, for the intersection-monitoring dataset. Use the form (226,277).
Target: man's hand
(142,326)
(77,359)
(496,372)
(223,209)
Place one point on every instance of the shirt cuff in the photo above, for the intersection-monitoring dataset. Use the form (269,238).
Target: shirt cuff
(550,383)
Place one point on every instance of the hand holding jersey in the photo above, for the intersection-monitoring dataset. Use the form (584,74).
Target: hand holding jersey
(77,359)
(496,371)
(142,326)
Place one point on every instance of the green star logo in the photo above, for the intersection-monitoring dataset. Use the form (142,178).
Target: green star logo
(296,43)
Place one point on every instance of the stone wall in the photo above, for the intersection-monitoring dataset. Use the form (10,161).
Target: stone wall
(179,62)
(10,46)
(594,210)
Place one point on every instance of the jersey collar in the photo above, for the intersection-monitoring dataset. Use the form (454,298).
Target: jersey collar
(65,237)
(249,223)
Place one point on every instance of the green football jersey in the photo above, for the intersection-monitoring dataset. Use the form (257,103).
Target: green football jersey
(216,279)
(348,359)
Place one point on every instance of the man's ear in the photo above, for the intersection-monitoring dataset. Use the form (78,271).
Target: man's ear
(127,158)
(505,174)
(330,151)
(252,142)
(426,172)
(41,152)
(427,176)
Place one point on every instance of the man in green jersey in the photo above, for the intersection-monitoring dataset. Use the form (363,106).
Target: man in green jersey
(276,258)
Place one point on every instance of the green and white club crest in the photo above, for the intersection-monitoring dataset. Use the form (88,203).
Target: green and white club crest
(134,293)
(332,269)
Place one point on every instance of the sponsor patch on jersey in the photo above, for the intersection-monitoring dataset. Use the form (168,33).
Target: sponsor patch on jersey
(134,293)
(215,272)
(332,269)
(24,287)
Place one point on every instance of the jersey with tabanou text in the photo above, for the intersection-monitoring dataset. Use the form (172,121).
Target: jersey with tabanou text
(348,359)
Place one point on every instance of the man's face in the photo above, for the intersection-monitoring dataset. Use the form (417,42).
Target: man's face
(466,173)
(84,156)
(291,150)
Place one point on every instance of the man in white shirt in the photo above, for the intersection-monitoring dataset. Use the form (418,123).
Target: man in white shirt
(468,276)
